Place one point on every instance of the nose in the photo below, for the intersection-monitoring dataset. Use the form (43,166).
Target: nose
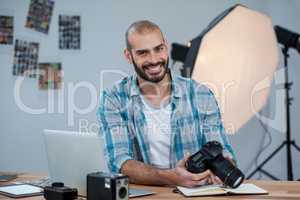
(154,57)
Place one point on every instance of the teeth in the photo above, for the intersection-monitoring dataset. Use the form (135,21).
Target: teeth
(154,69)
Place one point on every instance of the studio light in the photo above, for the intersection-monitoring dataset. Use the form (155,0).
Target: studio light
(287,38)
(236,57)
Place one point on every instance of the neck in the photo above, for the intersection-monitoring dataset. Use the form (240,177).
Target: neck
(157,94)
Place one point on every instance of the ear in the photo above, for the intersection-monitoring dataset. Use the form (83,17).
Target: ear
(128,56)
(167,44)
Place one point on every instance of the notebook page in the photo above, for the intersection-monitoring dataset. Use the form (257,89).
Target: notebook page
(247,188)
(202,190)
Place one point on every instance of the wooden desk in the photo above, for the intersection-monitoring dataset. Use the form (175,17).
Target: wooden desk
(279,190)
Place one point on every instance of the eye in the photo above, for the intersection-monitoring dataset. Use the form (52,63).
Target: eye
(160,48)
(141,53)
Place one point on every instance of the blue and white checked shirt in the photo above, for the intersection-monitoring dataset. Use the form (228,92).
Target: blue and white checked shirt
(195,120)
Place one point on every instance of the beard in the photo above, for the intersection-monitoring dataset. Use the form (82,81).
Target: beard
(141,71)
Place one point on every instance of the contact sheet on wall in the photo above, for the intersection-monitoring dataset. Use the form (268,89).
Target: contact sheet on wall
(6,30)
(69,31)
(25,58)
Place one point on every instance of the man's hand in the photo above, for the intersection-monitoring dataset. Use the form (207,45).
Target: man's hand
(141,173)
(188,179)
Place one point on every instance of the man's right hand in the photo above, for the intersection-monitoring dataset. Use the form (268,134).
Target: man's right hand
(187,179)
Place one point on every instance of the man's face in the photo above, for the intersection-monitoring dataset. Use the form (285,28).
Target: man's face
(149,55)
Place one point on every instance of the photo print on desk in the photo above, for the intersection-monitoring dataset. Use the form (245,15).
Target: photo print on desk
(25,58)
(50,76)
(69,31)
(6,30)
(39,15)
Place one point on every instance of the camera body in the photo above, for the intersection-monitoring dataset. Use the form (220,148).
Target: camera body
(211,157)
(107,186)
(59,192)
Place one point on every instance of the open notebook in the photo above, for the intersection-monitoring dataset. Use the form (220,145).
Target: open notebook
(208,190)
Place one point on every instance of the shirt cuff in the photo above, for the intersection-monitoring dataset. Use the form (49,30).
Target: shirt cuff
(120,161)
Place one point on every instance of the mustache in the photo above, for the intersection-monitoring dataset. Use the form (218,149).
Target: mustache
(154,64)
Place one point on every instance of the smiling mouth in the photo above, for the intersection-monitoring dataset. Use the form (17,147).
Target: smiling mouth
(154,69)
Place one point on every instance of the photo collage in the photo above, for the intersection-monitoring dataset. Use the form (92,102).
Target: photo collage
(26,52)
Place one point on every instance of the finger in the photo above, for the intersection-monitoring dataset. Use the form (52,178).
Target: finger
(214,180)
(203,182)
(210,180)
(202,175)
(182,172)
(182,162)
(218,180)
(186,156)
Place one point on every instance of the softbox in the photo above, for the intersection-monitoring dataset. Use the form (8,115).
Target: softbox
(236,57)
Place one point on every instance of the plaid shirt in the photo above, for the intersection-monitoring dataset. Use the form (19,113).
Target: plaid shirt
(195,120)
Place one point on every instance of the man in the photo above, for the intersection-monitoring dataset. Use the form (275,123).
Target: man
(153,119)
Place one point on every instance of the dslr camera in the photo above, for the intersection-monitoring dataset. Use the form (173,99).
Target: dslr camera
(108,186)
(59,192)
(211,157)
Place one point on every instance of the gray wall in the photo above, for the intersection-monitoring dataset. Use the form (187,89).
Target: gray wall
(103,26)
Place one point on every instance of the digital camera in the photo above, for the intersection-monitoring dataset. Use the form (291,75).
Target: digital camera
(211,157)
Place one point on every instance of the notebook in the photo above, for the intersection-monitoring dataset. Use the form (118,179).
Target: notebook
(209,190)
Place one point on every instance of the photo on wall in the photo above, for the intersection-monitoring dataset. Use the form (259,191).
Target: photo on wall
(6,30)
(25,58)
(39,15)
(50,76)
(69,31)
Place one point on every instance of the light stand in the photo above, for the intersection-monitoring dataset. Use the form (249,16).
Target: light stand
(288,141)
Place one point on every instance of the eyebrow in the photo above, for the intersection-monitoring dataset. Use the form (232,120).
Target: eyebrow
(145,50)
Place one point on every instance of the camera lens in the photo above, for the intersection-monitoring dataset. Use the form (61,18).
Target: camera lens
(235,178)
(227,172)
(122,192)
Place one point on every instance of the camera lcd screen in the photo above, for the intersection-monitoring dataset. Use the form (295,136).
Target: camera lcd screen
(197,157)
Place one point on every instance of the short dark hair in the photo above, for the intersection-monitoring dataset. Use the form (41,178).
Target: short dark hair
(141,27)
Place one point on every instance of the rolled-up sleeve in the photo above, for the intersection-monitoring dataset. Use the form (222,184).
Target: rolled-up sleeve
(113,126)
(212,126)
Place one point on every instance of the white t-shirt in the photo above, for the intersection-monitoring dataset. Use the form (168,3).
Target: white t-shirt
(159,134)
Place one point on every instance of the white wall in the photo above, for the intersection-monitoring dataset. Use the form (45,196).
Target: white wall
(103,26)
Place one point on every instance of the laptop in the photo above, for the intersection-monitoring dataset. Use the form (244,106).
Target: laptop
(73,155)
